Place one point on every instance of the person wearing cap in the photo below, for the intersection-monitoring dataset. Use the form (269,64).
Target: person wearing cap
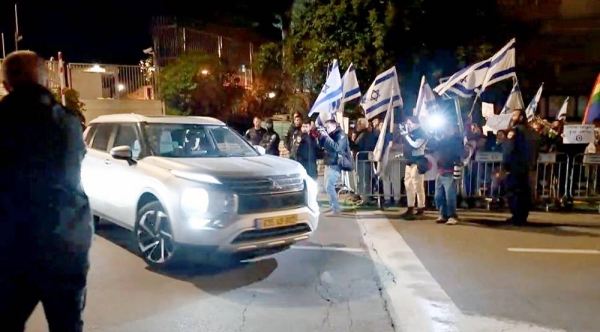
(46,219)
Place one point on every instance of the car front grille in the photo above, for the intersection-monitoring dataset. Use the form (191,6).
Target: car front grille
(271,202)
(267,234)
(265,185)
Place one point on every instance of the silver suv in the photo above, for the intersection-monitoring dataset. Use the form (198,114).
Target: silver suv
(193,185)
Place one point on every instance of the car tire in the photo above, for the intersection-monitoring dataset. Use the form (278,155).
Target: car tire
(154,236)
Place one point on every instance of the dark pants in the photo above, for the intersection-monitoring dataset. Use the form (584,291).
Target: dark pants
(61,291)
(518,192)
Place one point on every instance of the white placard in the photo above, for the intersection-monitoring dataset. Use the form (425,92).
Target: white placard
(578,134)
(499,122)
(487,110)
(488,157)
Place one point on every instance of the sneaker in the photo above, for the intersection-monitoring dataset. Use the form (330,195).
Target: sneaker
(441,220)
(452,221)
(420,212)
(333,214)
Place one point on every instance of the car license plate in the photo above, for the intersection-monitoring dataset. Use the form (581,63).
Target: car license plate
(276,222)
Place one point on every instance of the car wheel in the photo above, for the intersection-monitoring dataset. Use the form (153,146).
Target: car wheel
(154,236)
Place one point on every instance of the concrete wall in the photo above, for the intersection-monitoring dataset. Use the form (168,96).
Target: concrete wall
(96,107)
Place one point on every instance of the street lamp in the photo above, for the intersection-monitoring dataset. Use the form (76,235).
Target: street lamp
(120,87)
(204,72)
(271,95)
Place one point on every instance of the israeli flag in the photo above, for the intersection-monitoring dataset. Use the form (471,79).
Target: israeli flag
(384,89)
(466,82)
(514,101)
(350,87)
(425,99)
(502,65)
(533,105)
(562,113)
(331,93)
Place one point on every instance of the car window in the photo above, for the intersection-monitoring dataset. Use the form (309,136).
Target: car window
(195,141)
(127,135)
(102,136)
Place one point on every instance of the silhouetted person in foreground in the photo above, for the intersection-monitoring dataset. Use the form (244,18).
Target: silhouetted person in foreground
(44,213)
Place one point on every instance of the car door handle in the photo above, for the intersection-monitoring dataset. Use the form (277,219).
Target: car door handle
(107,161)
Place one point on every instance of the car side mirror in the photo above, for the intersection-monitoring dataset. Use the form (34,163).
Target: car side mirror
(260,150)
(122,152)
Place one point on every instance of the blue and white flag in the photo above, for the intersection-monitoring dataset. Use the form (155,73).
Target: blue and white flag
(350,87)
(502,65)
(425,100)
(562,113)
(514,101)
(533,105)
(466,82)
(331,93)
(384,89)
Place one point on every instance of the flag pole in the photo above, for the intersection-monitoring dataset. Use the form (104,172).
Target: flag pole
(16,29)
(3,47)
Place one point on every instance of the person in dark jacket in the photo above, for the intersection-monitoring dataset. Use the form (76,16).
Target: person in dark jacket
(271,139)
(334,142)
(519,160)
(255,134)
(307,151)
(448,150)
(293,132)
(44,213)
(365,142)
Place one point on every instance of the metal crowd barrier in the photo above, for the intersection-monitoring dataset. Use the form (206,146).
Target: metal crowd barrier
(387,185)
(556,177)
(482,184)
(584,184)
(551,179)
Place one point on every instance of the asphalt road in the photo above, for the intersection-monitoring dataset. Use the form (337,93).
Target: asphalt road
(368,272)
(546,274)
(326,284)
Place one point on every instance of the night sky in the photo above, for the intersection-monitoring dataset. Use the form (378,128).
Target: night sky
(113,31)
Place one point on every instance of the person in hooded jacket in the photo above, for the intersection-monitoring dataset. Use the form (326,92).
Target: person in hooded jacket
(306,154)
(271,139)
(45,215)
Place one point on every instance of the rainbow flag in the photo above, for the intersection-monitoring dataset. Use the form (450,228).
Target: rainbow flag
(592,111)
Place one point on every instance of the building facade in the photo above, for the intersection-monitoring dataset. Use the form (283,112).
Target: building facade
(560,46)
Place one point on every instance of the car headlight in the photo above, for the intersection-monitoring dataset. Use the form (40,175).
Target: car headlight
(194,201)
(196,177)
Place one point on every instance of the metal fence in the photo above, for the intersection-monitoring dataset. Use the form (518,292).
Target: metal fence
(102,81)
(172,41)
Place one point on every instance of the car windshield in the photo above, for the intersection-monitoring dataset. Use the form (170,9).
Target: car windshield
(176,140)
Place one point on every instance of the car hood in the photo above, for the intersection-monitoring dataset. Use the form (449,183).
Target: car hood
(231,166)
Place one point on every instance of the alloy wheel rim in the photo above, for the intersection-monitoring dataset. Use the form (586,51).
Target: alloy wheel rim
(155,238)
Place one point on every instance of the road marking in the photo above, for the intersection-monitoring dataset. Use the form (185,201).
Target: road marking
(326,248)
(587,230)
(556,251)
(414,299)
